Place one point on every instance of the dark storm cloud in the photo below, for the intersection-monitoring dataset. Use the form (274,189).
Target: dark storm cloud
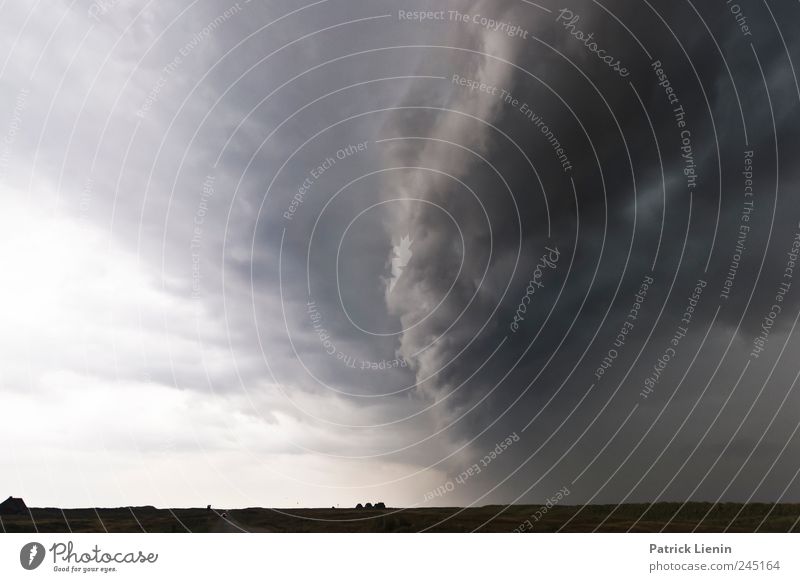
(603,285)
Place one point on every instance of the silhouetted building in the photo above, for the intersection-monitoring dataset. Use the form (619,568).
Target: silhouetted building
(13,506)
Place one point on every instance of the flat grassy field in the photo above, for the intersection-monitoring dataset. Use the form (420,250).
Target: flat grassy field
(669,517)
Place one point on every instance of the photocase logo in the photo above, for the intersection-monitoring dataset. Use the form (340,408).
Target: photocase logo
(31,555)
(402,255)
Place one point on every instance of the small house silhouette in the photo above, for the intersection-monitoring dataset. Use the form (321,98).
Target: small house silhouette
(13,506)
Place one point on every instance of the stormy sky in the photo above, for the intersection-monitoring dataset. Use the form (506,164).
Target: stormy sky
(445,253)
